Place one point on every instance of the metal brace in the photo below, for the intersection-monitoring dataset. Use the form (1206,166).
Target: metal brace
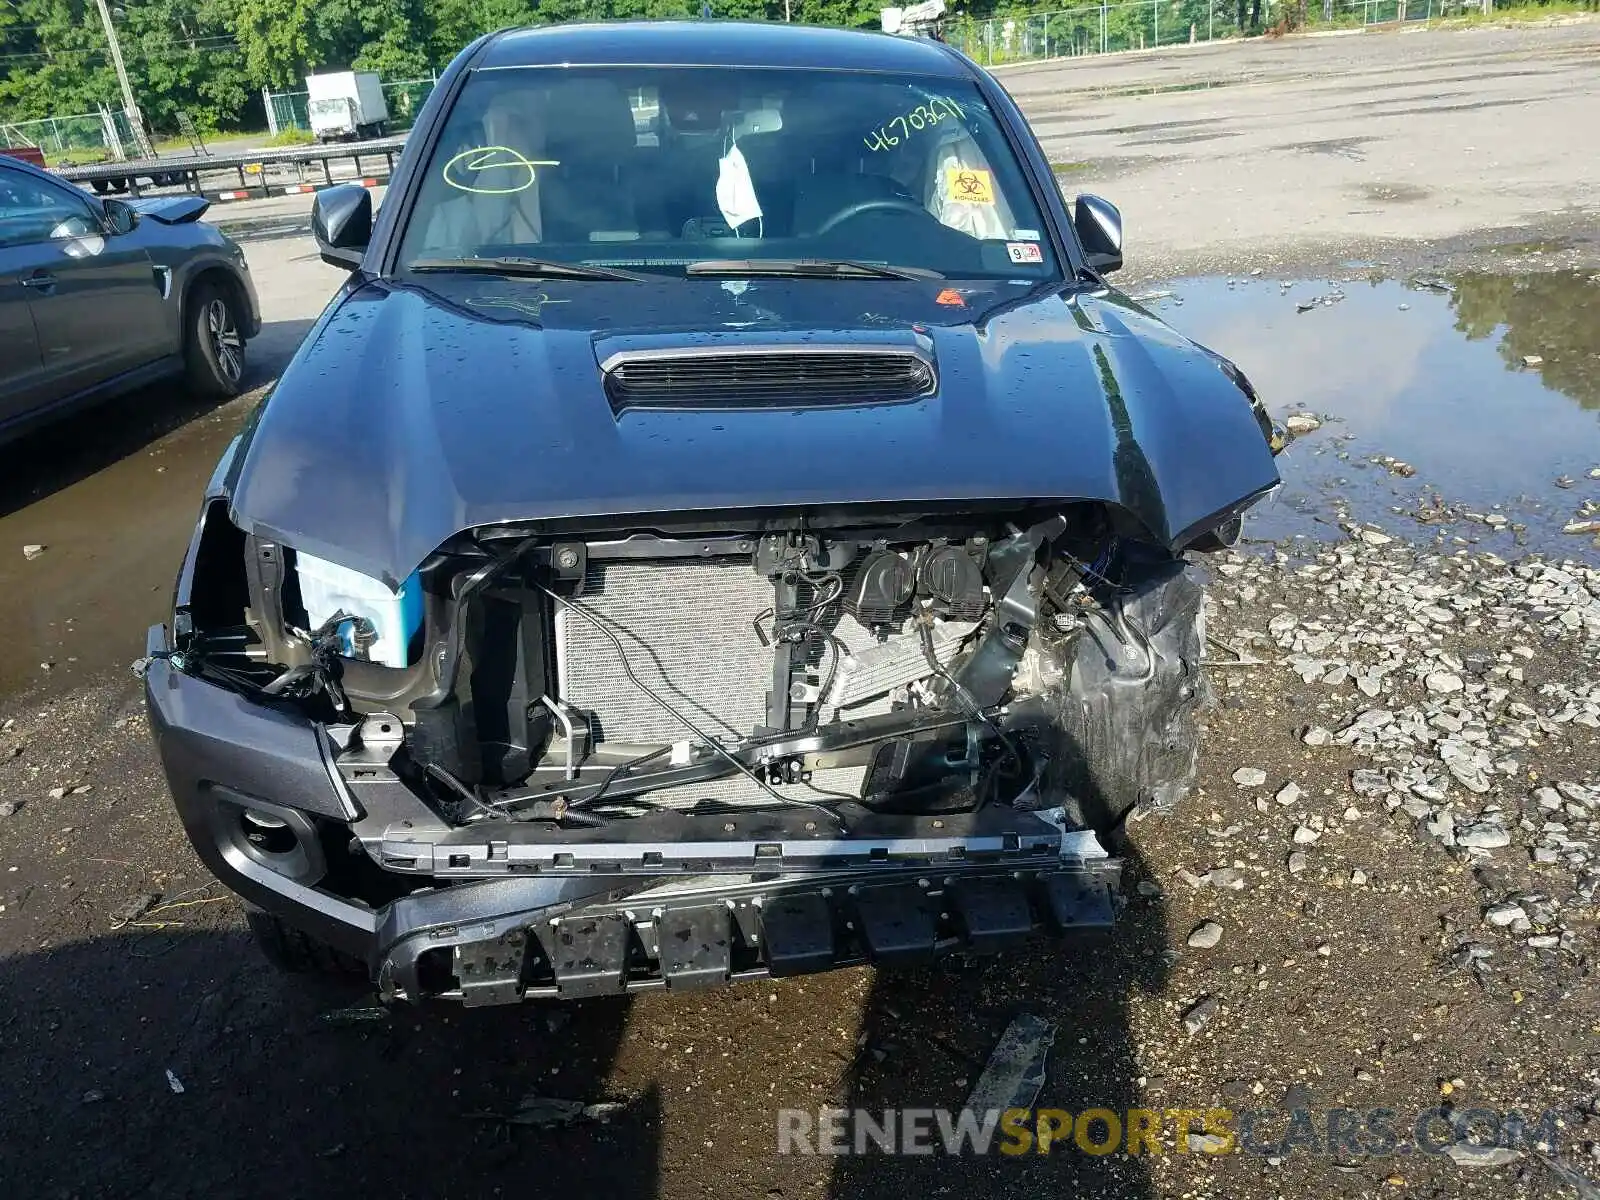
(574,729)
(490,972)
(372,746)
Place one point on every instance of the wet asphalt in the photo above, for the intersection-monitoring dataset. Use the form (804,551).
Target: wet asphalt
(1418,359)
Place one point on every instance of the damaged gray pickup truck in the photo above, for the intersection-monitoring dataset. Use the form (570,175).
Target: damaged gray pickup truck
(724,526)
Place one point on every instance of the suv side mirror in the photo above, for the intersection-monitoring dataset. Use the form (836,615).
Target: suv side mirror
(120,217)
(1099,228)
(341,223)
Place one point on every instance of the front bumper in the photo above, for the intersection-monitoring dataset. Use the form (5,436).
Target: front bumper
(568,914)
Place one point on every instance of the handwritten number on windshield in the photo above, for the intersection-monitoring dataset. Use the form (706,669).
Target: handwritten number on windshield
(920,117)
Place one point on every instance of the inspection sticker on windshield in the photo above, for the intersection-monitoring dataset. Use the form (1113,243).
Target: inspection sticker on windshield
(1024,252)
(968,185)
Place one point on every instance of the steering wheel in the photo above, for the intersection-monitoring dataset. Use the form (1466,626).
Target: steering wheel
(880,204)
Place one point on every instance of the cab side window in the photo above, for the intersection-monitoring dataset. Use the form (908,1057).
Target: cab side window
(33,211)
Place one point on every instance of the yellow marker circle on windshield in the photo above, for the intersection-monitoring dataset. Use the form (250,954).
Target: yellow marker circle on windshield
(516,171)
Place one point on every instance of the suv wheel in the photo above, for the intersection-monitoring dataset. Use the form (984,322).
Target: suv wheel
(213,348)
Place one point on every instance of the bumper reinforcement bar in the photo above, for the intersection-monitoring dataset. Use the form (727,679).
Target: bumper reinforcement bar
(687,935)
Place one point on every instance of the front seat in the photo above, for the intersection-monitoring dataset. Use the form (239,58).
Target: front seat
(774,172)
(589,196)
(836,171)
(495,209)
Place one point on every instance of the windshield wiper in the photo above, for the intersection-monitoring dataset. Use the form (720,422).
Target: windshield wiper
(524,268)
(824,268)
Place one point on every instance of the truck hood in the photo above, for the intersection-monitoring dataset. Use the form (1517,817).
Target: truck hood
(412,414)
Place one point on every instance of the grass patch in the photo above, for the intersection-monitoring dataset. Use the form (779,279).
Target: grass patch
(1339,21)
(1516,16)
(78,158)
(292,137)
(1070,168)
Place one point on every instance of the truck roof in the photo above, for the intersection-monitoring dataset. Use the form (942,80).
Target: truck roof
(719,43)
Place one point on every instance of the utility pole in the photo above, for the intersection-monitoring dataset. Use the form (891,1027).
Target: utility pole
(128,103)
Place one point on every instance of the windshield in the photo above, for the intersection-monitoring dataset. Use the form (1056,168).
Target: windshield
(656,169)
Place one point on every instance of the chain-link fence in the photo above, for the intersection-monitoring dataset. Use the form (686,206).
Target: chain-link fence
(405,100)
(285,110)
(79,138)
(1143,24)
(289,110)
(82,136)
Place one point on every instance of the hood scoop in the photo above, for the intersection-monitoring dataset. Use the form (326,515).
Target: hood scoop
(795,375)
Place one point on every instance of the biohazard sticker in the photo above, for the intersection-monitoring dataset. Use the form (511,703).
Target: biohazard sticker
(1024,252)
(968,185)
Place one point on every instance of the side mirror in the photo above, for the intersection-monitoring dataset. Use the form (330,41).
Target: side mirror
(120,217)
(341,223)
(1099,228)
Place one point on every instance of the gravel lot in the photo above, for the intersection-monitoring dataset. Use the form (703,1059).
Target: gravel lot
(1393,840)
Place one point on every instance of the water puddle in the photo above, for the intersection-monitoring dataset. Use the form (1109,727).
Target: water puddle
(112,495)
(1487,385)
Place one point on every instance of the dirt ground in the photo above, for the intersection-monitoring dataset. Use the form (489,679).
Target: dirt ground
(1433,703)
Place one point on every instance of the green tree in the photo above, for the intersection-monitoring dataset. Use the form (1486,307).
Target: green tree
(851,14)
(55,62)
(183,55)
(454,23)
(278,38)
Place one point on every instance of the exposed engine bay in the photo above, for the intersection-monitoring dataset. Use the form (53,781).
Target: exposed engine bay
(917,666)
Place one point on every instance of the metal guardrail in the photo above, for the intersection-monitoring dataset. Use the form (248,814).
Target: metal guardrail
(188,168)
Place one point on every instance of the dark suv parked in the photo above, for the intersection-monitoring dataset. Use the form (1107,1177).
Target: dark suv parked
(101,296)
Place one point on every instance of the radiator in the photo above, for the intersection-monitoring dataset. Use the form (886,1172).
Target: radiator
(688,628)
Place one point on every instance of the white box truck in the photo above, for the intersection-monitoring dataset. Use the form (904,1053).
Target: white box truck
(917,20)
(346,105)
